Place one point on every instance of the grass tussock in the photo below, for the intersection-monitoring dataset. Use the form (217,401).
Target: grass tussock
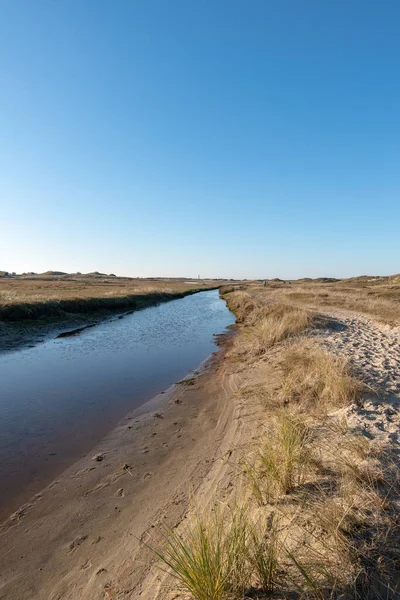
(320,574)
(285,455)
(338,424)
(317,379)
(222,553)
(283,458)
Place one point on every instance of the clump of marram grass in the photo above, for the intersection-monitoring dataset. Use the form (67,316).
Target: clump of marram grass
(323,542)
(199,556)
(359,445)
(222,553)
(282,460)
(344,545)
(263,554)
(317,378)
(285,455)
(272,324)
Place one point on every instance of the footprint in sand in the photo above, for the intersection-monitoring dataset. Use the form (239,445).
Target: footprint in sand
(20,513)
(98,457)
(72,546)
(82,472)
(97,540)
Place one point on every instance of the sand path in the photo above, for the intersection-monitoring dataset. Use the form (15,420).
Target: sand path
(373,350)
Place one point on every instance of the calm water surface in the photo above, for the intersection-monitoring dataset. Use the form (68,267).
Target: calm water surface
(59,399)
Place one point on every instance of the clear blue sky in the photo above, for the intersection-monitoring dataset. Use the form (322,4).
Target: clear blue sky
(182,137)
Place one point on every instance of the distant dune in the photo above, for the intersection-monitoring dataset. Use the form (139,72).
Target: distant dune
(53,273)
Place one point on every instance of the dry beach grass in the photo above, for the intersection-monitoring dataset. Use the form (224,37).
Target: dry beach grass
(377,296)
(330,490)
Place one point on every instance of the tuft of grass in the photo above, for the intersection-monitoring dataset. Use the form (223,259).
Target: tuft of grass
(359,472)
(262,554)
(323,562)
(318,577)
(222,554)
(359,445)
(286,456)
(198,557)
(317,378)
(282,460)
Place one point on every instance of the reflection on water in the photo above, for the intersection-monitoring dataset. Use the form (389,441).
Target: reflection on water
(60,398)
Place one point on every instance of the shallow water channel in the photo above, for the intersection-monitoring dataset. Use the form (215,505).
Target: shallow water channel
(58,399)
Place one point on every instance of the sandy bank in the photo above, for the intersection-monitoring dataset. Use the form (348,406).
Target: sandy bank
(79,537)
(84,536)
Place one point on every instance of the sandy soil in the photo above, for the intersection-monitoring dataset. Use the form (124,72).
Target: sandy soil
(374,351)
(373,348)
(83,538)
